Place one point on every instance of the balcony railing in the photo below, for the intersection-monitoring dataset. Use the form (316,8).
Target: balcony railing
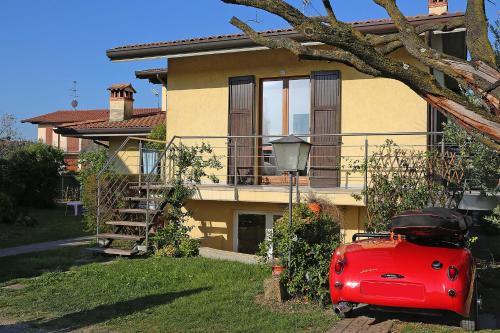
(249,160)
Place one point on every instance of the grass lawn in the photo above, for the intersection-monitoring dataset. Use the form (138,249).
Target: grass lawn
(52,225)
(149,295)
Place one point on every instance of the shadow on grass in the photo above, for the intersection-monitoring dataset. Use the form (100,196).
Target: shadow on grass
(34,264)
(103,313)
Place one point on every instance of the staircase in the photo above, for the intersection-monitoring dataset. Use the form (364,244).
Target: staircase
(130,205)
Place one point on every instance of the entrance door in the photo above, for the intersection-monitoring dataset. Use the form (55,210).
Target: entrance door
(251,232)
(251,229)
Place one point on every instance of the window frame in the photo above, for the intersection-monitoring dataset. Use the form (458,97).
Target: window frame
(285,111)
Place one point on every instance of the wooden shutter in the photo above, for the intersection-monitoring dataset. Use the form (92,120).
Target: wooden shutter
(73,145)
(325,119)
(241,123)
(48,135)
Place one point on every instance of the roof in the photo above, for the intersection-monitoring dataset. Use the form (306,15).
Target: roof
(240,40)
(154,75)
(147,120)
(66,116)
(72,116)
(142,121)
(122,86)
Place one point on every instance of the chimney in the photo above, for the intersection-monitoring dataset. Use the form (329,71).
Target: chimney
(438,7)
(121,101)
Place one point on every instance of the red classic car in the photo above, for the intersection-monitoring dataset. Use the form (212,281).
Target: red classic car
(422,264)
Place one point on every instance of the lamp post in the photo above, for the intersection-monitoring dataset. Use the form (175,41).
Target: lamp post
(291,155)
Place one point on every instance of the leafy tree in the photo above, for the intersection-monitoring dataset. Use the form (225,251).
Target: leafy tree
(91,162)
(159,132)
(371,54)
(33,174)
(8,130)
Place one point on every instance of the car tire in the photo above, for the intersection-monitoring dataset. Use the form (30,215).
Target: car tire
(470,323)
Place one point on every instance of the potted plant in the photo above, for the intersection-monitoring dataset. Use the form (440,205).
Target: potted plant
(278,267)
(313,203)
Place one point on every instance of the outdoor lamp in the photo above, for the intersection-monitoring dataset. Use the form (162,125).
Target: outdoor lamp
(291,155)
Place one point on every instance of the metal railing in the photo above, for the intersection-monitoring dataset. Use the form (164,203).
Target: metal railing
(135,174)
(246,161)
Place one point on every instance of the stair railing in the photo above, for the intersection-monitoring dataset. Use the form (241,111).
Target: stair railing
(102,196)
(157,185)
(118,173)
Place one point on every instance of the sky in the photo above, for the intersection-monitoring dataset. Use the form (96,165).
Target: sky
(46,45)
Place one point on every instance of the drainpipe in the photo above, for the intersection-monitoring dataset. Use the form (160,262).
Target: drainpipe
(164,84)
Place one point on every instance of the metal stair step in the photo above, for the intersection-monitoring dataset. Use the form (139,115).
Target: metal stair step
(151,186)
(127,223)
(136,211)
(105,250)
(144,199)
(120,236)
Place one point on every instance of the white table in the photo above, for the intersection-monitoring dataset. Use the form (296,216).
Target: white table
(77,207)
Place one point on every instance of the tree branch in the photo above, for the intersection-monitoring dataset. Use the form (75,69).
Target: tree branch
(351,46)
(454,23)
(304,52)
(477,33)
(329,10)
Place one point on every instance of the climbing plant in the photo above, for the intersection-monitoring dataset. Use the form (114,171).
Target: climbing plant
(400,179)
(192,165)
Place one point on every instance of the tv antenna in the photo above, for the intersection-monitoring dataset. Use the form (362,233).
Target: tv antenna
(256,18)
(74,101)
(157,94)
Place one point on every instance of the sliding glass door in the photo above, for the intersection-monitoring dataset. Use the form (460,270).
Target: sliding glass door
(286,109)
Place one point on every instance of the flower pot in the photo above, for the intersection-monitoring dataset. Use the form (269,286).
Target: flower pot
(315,207)
(277,270)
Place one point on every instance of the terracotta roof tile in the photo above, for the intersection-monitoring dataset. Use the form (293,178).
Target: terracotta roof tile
(363,23)
(71,116)
(144,120)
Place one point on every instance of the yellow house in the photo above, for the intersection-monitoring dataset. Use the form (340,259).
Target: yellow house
(238,97)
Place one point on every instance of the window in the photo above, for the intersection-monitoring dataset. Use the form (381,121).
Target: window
(286,109)
(73,145)
(48,135)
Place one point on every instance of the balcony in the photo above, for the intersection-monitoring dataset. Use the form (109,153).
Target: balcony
(249,173)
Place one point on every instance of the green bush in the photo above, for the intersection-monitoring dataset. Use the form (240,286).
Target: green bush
(492,222)
(189,247)
(7,212)
(396,187)
(312,238)
(33,172)
(192,163)
(91,162)
(481,163)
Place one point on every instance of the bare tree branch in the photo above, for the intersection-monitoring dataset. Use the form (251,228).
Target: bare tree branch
(304,52)
(329,10)
(369,55)
(477,33)
(454,23)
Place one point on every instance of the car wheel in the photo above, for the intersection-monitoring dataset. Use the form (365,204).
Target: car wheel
(470,324)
